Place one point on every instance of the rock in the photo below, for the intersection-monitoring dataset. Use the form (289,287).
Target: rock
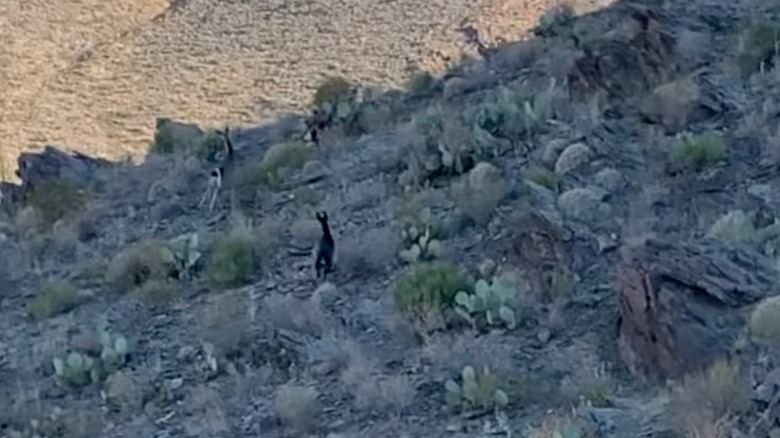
(679,302)
(573,157)
(313,171)
(485,175)
(454,87)
(487,268)
(582,204)
(124,393)
(52,164)
(543,335)
(607,243)
(626,65)
(609,179)
(672,104)
(604,418)
(552,149)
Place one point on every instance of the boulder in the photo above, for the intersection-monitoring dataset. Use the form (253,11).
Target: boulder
(52,164)
(679,302)
(676,104)
(628,63)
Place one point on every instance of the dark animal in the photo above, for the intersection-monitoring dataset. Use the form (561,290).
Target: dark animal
(326,248)
(315,123)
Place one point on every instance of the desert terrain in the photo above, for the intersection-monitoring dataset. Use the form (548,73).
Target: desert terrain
(570,234)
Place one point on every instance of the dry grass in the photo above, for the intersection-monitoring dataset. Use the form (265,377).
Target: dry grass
(94,75)
(764,322)
(297,405)
(705,400)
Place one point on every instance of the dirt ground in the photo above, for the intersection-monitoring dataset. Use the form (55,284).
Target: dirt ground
(93,76)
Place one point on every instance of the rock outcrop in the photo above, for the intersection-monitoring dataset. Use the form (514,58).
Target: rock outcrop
(636,58)
(679,302)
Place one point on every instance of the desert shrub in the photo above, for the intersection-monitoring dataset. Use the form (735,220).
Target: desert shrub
(698,151)
(421,82)
(429,287)
(297,405)
(719,391)
(543,177)
(156,290)
(233,259)
(331,90)
(511,114)
(556,426)
(56,200)
(185,138)
(734,226)
(209,145)
(278,163)
(757,47)
(224,322)
(765,319)
(56,297)
(478,195)
(147,260)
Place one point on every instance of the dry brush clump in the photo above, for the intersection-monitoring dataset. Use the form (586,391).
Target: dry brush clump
(171,137)
(764,322)
(373,391)
(236,256)
(298,405)
(142,262)
(478,194)
(699,151)
(426,292)
(717,394)
(56,200)
(757,47)
(273,172)
(57,297)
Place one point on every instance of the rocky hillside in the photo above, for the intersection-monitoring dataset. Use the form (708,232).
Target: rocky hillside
(570,236)
(92,75)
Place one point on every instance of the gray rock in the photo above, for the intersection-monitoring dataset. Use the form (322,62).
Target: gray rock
(609,179)
(573,157)
(582,204)
(552,149)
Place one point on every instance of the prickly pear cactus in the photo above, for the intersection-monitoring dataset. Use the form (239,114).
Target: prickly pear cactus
(419,241)
(74,369)
(495,302)
(186,254)
(114,352)
(479,389)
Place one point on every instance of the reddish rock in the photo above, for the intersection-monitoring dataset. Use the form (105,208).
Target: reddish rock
(679,302)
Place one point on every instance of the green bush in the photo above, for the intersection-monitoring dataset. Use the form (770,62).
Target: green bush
(421,82)
(57,297)
(543,177)
(700,151)
(185,138)
(233,259)
(331,90)
(278,163)
(145,261)
(430,287)
(56,200)
(757,47)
